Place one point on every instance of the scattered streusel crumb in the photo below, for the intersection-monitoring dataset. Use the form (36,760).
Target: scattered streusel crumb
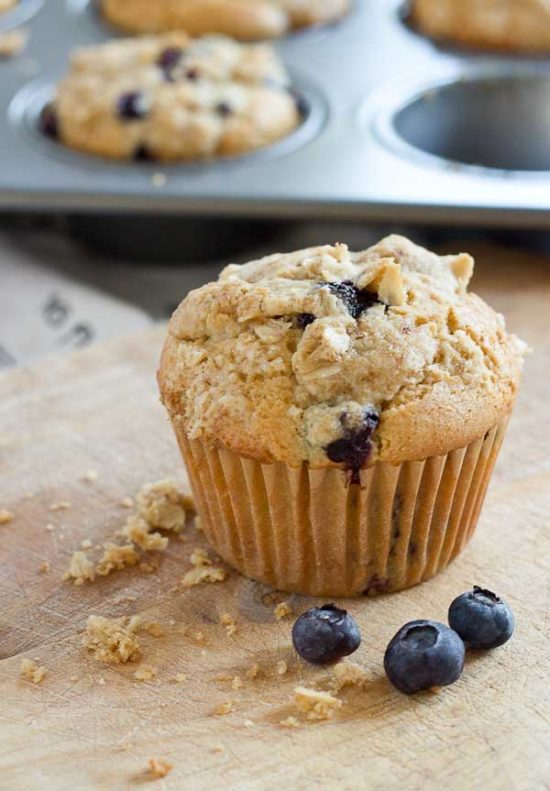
(254,671)
(198,636)
(32,671)
(126,502)
(6,516)
(86,544)
(198,575)
(290,722)
(148,567)
(348,674)
(62,505)
(282,610)
(116,558)
(81,569)
(163,506)
(44,568)
(237,683)
(101,681)
(138,530)
(179,678)
(217,748)
(223,708)
(90,476)
(145,673)
(154,629)
(13,43)
(229,623)
(159,768)
(113,640)
(73,678)
(249,724)
(50,527)
(159,179)
(199,558)
(282,668)
(316,705)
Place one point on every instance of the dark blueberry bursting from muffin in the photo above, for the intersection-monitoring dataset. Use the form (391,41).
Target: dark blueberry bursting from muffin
(481,618)
(303,319)
(324,635)
(356,300)
(48,122)
(424,654)
(133,106)
(354,448)
(168,60)
(143,154)
(224,109)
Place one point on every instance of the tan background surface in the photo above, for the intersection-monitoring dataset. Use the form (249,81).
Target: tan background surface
(99,410)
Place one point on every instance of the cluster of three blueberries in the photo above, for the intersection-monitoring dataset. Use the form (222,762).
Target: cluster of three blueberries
(423,654)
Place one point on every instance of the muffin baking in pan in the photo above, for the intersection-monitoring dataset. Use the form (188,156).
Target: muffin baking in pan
(242,19)
(173,98)
(514,25)
(324,124)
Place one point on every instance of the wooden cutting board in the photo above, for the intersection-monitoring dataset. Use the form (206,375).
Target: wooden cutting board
(88,725)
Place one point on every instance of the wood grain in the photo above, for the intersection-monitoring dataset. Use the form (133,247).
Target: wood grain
(99,410)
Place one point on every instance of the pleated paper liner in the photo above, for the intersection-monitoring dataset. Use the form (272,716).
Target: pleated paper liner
(311,532)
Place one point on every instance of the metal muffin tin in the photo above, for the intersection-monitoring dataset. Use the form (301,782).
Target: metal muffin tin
(399,129)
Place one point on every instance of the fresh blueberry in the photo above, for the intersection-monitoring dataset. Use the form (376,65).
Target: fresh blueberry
(325,634)
(132,106)
(481,619)
(48,122)
(356,301)
(424,654)
(354,448)
(303,319)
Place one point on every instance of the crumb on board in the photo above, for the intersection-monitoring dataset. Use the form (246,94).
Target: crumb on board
(315,704)
(44,568)
(32,671)
(237,682)
(138,530)
(282,610)
(6,516)
(145,673)
(290,722)
(90,476)
(81,569)
(158,768)
(126,502)
(348,674)
(13,42)
(229,622)
(253,671)
(207,574)
(199,558)
(112,640)
(179,678)
(198,636)
(73,679)
(282,668)
(163,506)
(86,544)
(101,681)
(50,527)
(217,748)
(116,558)
(223,708)
(62,505)
(153,628)
(249,724)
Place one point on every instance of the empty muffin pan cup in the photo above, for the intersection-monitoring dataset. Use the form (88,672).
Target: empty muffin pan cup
(430,134)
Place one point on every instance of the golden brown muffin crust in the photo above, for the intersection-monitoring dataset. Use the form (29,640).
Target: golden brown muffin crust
(283,356)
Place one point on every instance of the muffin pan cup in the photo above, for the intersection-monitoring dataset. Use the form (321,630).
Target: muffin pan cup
(310,532)
(397,130)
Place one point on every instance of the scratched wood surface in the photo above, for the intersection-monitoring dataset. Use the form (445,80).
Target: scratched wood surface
(99,410)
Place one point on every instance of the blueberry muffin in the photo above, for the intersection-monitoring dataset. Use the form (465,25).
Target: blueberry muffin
(340,413)
(521,25)
(242,19)
(173,98)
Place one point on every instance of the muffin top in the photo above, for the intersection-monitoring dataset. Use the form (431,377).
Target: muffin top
(340,358)
(171,97)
